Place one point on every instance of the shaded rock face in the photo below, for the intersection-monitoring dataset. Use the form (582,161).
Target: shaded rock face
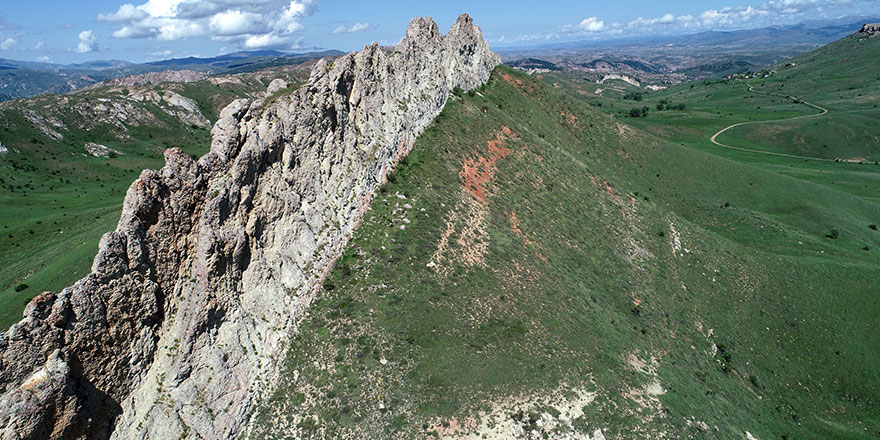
(179,327)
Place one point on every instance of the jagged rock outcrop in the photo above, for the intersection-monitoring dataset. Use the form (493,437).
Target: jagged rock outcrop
(870,29)
(180,326)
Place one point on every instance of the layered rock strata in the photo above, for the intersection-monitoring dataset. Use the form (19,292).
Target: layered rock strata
(181,324)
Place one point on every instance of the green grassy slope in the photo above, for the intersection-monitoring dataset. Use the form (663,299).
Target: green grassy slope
(842,77)
(535,266)
(57,201)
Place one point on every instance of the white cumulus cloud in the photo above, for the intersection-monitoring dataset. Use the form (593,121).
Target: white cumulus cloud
(592,24)
(357,27)
(255,23)
(160,54)
(8,44)
(87,42)
(770,12)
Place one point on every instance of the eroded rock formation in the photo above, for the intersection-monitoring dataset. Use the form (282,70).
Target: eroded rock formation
(870,29)
(182,321)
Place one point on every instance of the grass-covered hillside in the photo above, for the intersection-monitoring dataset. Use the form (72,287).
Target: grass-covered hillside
(67,161)
(841,78)
(539,269)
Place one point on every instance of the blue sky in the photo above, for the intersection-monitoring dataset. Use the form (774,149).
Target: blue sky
(143,30)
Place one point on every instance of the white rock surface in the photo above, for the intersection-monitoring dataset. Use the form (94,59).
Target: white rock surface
(276,85)
(99,150)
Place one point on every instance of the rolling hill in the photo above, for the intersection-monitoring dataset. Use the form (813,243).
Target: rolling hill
(537,269)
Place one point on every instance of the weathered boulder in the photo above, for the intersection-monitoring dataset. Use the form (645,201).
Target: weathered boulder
(276,85)
(871,29)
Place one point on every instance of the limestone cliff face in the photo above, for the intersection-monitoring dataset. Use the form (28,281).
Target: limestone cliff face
(187,311)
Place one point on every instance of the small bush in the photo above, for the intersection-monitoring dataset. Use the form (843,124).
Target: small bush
(874,227)
(834,235)
(21,287)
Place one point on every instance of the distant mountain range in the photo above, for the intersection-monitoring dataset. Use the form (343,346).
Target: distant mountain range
(666,59)
(807,33)
(23,79)
(814,33)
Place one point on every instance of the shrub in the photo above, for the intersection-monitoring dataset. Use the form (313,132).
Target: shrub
(21,287)
(834,234)
(874,227)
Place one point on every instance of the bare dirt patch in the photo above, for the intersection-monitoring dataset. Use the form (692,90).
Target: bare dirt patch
(465,240)
(570,118)
(514,82)
(526,417)
(477,172)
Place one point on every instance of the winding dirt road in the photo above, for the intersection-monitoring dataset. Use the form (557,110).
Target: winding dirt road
(822,110)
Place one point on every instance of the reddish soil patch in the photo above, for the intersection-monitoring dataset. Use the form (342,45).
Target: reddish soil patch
(512,81)
(572,119)
(515,227)
(476,173)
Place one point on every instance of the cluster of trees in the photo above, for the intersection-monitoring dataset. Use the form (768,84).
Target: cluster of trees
(633,96)
(665,105)
(638,112)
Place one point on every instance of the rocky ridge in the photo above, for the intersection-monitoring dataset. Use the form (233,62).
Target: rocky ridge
(177,76)
(871,29)
(178,329)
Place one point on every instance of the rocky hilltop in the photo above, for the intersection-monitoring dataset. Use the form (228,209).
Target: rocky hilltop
(179,327)
(178,76)
(871,29)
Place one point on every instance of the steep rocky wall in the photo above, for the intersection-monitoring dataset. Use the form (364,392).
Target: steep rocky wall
(190,302)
